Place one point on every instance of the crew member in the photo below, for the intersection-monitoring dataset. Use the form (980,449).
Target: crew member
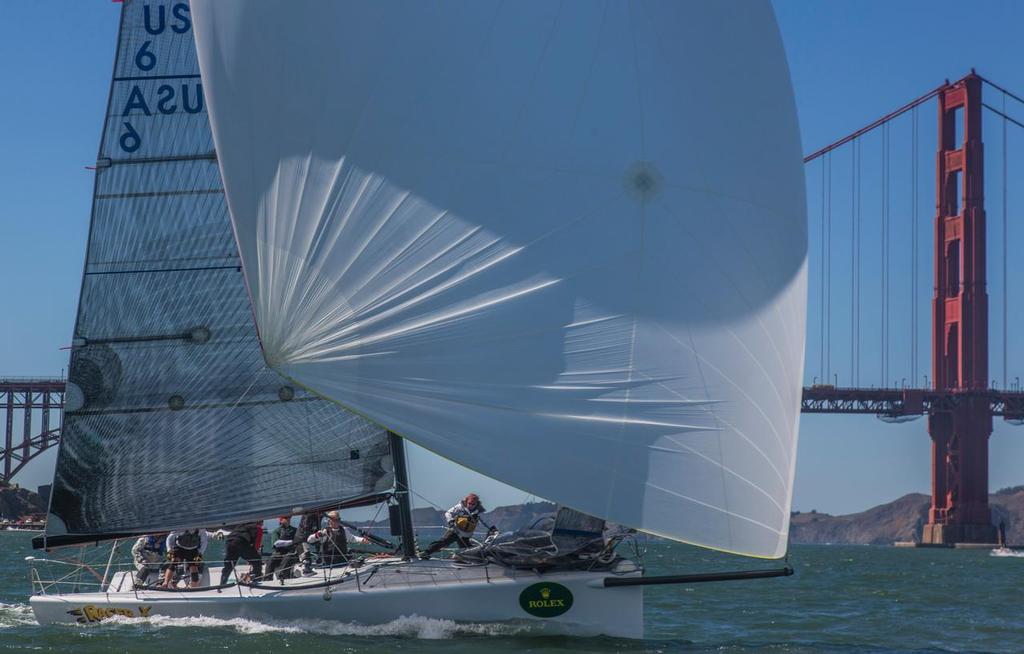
(148,553)
(333,540)
(186,547)
(243,542)
(308,525)
(284,556)
(462,520)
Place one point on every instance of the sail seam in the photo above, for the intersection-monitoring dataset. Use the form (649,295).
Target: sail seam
(156,194)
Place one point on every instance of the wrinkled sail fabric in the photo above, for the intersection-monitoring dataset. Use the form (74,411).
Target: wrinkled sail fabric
(172,417)
(560,243)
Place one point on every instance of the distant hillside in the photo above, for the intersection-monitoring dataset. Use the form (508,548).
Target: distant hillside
(880,525)
(900,520)
(16,502)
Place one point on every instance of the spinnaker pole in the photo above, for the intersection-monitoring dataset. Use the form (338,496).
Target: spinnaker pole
(402,495)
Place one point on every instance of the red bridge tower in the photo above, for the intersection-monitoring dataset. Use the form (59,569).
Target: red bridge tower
(959,512)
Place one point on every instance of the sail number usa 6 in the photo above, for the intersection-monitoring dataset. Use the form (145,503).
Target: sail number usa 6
(177,92)
(546,600)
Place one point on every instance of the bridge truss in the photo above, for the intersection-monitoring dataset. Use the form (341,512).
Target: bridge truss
(32,411)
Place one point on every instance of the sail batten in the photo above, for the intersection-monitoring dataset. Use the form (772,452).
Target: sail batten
(173,419)
(545,241)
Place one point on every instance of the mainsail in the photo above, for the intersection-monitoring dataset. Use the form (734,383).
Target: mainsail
(561,243)
(172,417)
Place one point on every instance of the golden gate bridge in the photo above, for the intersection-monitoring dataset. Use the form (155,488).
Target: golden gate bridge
(957,396)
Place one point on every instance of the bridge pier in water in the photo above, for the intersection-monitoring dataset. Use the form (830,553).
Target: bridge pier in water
(959,511)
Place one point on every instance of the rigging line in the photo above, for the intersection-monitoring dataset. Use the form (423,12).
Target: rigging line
(433,504)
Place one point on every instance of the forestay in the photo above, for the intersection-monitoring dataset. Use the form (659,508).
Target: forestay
(172,418)
(561,243)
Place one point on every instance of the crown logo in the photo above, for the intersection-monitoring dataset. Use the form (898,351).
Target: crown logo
(545,592)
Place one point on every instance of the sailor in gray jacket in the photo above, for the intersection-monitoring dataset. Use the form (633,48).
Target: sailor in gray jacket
(462,520)
(148,553)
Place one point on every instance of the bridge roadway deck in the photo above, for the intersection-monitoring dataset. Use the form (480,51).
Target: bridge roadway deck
(900,402)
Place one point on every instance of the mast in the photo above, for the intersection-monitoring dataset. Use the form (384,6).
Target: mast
(402,495)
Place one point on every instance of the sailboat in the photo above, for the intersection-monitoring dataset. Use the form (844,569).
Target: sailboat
(554,243)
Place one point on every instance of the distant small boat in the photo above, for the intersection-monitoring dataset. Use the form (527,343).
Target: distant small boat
(25,524)
(1007,552)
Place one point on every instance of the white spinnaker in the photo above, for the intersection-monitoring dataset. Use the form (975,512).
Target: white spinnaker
(563,244)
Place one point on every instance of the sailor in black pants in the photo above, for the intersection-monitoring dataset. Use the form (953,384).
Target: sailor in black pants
(241,543)
(462,520)
(284,556)
(308,525)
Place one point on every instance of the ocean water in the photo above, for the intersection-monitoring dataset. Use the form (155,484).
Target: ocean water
(842,599)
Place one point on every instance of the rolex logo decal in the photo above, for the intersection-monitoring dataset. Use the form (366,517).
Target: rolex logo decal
(546,600)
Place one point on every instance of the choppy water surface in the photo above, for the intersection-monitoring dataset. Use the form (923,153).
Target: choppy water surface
(842,599)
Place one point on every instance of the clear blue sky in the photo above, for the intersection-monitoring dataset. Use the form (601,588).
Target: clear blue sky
(851,62)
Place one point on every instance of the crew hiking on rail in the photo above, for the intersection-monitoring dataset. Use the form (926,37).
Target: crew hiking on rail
(462,520)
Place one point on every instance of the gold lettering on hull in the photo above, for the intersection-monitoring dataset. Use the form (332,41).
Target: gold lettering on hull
(91,613)
(546,604)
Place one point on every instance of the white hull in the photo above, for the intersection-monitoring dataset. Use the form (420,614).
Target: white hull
(385,591)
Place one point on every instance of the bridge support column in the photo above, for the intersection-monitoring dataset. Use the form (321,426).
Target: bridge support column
(959,512)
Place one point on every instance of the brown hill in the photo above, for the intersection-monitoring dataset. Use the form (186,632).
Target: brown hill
(879,525)
(16,502)
(900,520)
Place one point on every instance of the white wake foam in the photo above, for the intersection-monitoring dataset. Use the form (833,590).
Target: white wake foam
(412,626)
(1004,552)
(15,615)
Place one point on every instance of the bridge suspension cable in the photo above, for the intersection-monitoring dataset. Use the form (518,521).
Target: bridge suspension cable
(913,245)
(1007,120)
(884,277)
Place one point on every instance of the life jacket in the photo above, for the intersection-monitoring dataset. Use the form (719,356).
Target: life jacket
(466,522)
(154,544)
(248,532)
(188,540)
(334,544)
(466,519)
(286,532)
